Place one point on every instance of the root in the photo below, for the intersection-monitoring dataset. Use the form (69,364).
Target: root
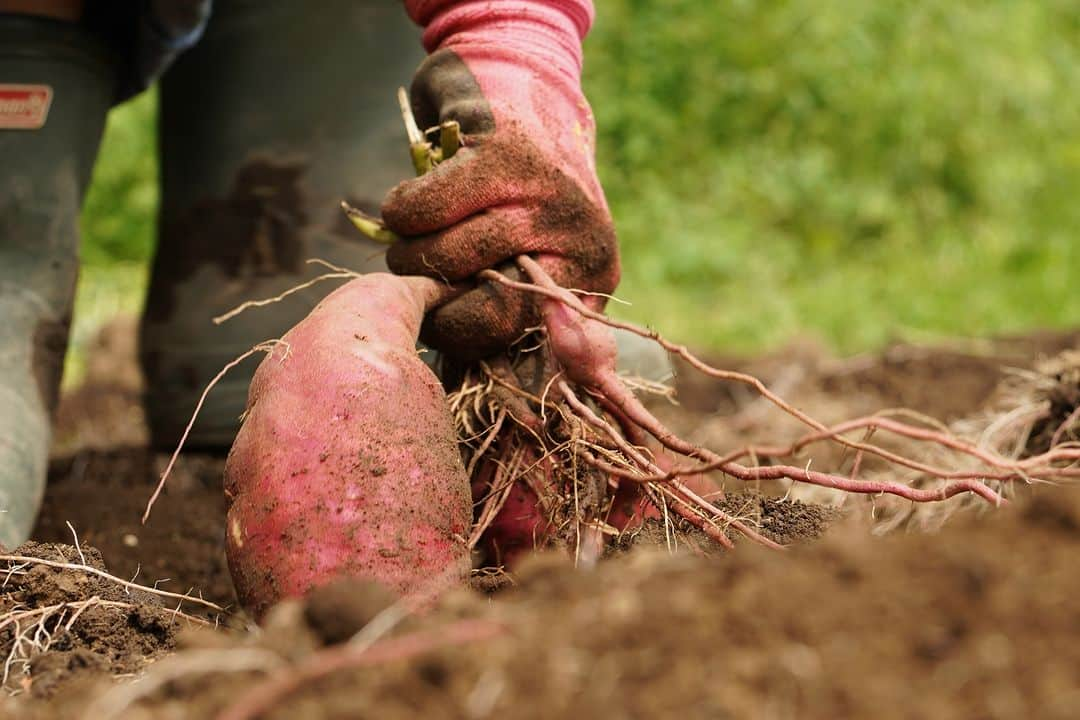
(1021,423)
(18,563)
(500,420)
(557,420)
(338,274)
(613,448)
(1065,426)
(501,485)
(267,347)
(618,393)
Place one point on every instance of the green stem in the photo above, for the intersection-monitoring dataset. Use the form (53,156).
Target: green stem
(411,128)
(371,226)
(449,138)
(424,158)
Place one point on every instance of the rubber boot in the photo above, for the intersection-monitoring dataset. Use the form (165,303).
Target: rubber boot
(278,114)
(58,76)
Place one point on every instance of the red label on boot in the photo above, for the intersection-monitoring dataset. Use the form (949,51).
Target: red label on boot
(24,107)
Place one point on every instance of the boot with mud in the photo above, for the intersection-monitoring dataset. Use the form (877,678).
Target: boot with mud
(276,116)
(55,88)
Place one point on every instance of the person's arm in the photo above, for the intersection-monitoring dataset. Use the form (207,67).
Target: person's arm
(524,181)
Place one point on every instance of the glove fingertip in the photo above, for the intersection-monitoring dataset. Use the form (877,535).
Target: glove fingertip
(403,208)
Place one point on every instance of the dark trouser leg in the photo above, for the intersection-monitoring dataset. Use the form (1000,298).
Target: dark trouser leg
(43,173)
(282,110)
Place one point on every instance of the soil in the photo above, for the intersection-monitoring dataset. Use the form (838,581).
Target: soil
(979,619)
(63,622)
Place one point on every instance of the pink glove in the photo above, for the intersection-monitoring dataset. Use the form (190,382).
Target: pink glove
(524,181)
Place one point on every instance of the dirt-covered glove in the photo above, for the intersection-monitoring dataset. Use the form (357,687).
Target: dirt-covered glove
(524,181)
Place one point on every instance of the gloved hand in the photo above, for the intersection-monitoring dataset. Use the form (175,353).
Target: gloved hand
(524,181)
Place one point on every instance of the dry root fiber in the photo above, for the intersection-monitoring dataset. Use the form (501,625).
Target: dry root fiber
(1034,415)
(562,452)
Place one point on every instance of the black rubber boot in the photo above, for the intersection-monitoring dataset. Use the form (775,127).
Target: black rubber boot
(281,111)
(43,173)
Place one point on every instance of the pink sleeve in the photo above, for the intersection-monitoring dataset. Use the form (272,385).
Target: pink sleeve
(550,29)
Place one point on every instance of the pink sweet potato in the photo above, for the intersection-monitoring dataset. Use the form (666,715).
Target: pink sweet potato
(347,462)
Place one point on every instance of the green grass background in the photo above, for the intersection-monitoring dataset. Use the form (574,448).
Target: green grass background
(859,171)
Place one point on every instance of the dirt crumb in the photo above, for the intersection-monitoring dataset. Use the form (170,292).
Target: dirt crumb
(59,622)
(784,521)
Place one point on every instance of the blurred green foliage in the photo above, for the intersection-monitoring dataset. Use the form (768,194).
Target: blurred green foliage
(118,222)
(856,170)
(118,218)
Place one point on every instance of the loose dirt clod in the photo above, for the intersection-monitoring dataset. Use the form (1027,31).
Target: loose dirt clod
(60,621)
(601,426)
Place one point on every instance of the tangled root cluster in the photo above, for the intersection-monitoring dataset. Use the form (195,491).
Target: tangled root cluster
(560,450)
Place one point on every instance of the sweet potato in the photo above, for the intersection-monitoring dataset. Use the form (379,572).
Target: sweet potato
(347,462)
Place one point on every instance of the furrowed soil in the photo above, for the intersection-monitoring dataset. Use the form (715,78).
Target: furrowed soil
(977,618)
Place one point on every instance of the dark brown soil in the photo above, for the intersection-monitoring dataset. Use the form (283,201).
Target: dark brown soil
(103,493)
(101,488)
(979,620)
(84,624)
(788,522)
(976,622)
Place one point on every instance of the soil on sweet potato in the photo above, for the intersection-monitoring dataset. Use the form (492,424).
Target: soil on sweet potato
(977,620)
